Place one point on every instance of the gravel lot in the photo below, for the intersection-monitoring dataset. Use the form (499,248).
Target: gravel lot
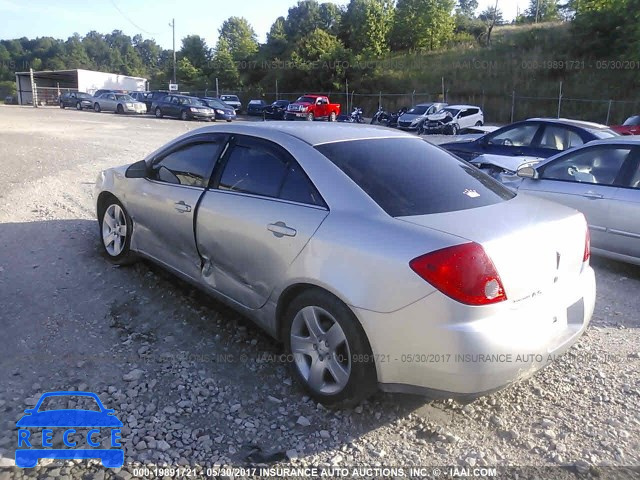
(195,384)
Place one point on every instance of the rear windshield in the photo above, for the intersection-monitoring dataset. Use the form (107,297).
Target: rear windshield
(407,176)
(604,133)
(632,121)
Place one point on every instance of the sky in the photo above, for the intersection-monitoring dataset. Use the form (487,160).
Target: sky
(151,18)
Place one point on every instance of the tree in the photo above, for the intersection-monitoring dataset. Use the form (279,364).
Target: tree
(330,16)
(302,19)
(491,16)
(467,8)
(195,49)
(542,11)
(422,24)
(277,39)
(240,37)
(224,67)
(367,25)
(320,60)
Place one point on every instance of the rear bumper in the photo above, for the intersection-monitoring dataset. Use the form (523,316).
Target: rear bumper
(444,349)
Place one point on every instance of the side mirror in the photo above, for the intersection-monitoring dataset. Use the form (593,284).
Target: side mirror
(527,172)
(137,170)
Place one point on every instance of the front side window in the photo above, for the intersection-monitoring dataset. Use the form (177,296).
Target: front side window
(519,136)
(597,165)
(190,165)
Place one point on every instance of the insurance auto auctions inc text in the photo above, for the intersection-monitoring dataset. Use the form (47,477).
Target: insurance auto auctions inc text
(376,472)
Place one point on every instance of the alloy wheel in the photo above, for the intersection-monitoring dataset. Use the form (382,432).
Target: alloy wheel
(114,230)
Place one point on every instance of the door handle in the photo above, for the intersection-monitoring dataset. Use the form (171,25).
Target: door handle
(280,230)
(592,196)
(182,207)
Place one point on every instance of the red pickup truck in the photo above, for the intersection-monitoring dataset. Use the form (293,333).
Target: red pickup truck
(630,127)
(312,107)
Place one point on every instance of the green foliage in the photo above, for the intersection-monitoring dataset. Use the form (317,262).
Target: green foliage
(366,26)
(422,24)
(467,8)
(195,50)
(542,11)
(224,67)
(240,37)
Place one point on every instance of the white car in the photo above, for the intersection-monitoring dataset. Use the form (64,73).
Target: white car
(450,120)
(233,101)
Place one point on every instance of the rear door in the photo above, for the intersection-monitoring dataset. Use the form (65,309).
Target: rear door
(556,138)
(255,220)
(585,180)
(166,202)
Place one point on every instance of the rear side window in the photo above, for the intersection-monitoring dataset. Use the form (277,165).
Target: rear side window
(407,176)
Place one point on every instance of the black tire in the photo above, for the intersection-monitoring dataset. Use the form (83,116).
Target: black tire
(452,129)
(310,117)
(478,123)
(362,381)
(184,116)
(96,107)
(332,117)
(78,106)
(62,105)
(158,112)
(126,256)
(120,109)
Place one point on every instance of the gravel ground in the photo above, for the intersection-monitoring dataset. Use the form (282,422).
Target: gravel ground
(195,384)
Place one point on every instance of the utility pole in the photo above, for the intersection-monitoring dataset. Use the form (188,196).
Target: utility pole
(537,9)
(173,26)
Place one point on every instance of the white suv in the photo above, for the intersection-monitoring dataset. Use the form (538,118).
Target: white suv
(450,120)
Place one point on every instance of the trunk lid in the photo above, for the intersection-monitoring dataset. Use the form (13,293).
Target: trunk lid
(536,246)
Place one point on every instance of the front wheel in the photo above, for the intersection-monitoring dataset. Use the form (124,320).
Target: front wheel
(325,343)
(158,112)
(184,116)
(310,117)
(115,229)
(120,109)
(453,129)
(96,108)
(62,105)
(478,123)
(332,117)
(78,106)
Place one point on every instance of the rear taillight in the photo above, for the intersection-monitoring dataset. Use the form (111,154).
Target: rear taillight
(463,272)
(587,247)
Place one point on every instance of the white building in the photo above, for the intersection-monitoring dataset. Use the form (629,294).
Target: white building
(50,83)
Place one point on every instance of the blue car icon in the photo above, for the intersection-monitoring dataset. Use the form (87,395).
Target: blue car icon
(69,420)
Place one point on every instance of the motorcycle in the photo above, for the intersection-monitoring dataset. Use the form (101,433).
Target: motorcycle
(392,121)
(380,117)
(354,117)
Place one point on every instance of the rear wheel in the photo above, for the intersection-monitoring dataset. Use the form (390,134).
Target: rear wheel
(96,107)
(115,230)
(310,117)
(120,109)
(324,338)
(158,112)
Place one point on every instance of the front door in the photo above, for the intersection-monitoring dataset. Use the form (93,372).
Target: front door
(165,205)
(254,223)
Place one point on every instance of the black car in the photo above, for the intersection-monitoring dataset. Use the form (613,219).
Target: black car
(536,137)
(151,96)
(183,107)
(221,109)
(256,107)
(10,100)
(277,109)
(77,100)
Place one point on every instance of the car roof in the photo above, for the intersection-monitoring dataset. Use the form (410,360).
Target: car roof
(463,106)
(313,133)
(569,121)
(632,140)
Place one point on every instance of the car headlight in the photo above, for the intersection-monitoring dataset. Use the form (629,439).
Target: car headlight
(193,109)
(304,109)
(220,112)
(129,105)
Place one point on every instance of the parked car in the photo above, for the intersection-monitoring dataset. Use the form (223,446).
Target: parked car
(77,100)
(10,100)
(416,115)
(358,264)
(118,103)
(602,180)
(536,137)
(183,107)
(222,110)
(99,92)
(153,96)
(138,96)
(232,101)
(631,126)
(450,120)
(256,107)
(313,107)
(277,109)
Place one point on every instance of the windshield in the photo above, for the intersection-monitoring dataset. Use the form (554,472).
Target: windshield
(215,103)
(84,95)
(632,121)
(604,133)
(229,98)
(452,111)
(304,99)
(126,98)
(255,102)
(419,110)
(413,183)
(64,402)
(280,103)
(192,101)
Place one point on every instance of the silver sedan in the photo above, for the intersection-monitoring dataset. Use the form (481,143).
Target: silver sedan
(119,103)
(602,180)
(379,260)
